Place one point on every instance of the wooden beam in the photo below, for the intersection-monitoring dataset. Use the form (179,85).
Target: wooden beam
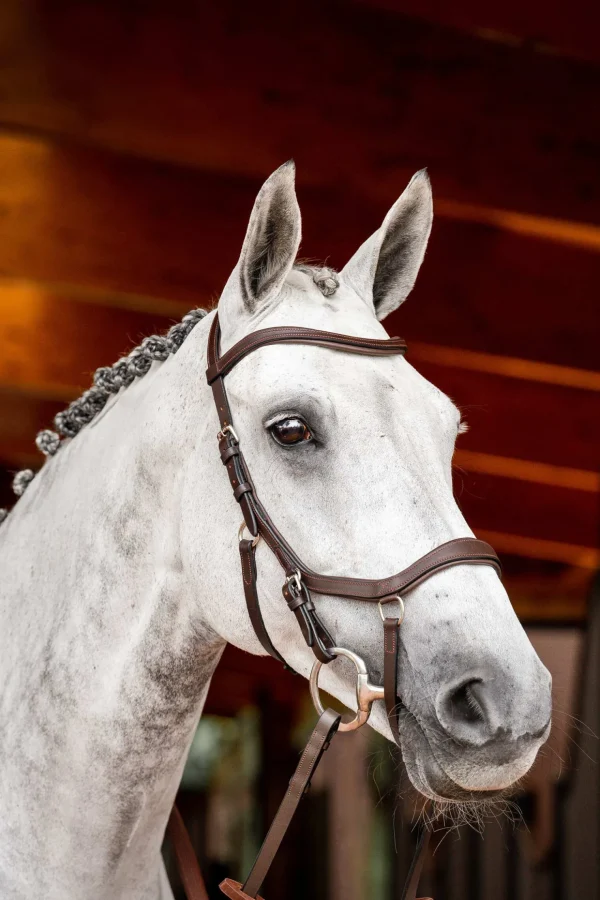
(102,223)
(363,100)
(506,366)
(527,420)
(533,27)
(536,511)
(528,470)
(558,231)
(481,289)
(540,548)
(51,345)
(536,423)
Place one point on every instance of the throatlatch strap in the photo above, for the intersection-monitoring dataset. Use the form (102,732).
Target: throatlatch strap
(318,742)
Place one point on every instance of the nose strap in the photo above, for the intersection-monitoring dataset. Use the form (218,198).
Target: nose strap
(453,553)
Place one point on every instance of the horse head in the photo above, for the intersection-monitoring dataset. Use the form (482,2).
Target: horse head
(352,457)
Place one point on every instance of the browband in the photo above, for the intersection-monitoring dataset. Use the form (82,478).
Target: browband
(221,365)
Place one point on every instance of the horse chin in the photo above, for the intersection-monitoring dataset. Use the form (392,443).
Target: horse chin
(428,776)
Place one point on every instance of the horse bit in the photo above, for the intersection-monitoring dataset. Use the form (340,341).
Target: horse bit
(299,586)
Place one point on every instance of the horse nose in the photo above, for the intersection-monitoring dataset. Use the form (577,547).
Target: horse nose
(478,709)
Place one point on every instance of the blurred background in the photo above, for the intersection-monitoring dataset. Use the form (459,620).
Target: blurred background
(133,138)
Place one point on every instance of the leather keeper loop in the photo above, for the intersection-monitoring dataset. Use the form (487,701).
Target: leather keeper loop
(241,489)
(228,452)
(292,601)
(306,626)
(295,601)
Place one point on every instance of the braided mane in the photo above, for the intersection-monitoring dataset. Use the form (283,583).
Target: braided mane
(108,380)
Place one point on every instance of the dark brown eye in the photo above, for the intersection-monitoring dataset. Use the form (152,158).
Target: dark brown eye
(291,431)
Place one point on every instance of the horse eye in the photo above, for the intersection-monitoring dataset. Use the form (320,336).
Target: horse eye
(291,431)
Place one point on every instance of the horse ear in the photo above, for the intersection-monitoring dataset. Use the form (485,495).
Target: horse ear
(272,239)
(383,271)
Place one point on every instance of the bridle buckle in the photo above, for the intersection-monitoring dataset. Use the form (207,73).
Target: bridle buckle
(294,582)
(228,430)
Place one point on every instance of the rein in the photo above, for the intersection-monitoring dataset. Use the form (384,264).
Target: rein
(299,585)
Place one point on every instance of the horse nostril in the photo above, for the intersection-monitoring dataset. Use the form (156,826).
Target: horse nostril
(464,704)
(461,711)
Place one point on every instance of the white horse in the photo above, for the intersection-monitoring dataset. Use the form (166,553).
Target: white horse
(120,578)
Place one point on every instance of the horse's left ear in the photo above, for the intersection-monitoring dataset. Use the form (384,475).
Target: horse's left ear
(383,271)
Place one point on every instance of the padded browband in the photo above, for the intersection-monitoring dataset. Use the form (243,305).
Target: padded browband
(220,366)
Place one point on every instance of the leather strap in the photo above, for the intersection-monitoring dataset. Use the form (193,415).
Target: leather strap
(219,366)
(189,870)
(452,553)
(315,633)
(391,629)
(416,867)
(318,742)
(249,579)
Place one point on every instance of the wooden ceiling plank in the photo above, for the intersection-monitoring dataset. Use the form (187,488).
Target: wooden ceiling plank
(545,27)
(528,470)
(533,510)
(506,366)
(539,548)
(365,99)
(132,228)
(51,346)
(559,231)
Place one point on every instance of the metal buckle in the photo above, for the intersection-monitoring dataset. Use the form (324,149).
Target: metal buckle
(229,429)
(366,693)
(296,581)
(389,600)
(255,538)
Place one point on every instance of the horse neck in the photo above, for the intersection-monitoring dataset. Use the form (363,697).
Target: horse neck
(105,658)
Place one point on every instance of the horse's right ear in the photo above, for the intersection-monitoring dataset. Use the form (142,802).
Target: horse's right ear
(271,243)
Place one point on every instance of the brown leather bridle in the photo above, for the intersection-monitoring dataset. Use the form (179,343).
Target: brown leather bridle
(301,583)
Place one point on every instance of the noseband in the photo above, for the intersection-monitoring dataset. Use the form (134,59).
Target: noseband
(301,583)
